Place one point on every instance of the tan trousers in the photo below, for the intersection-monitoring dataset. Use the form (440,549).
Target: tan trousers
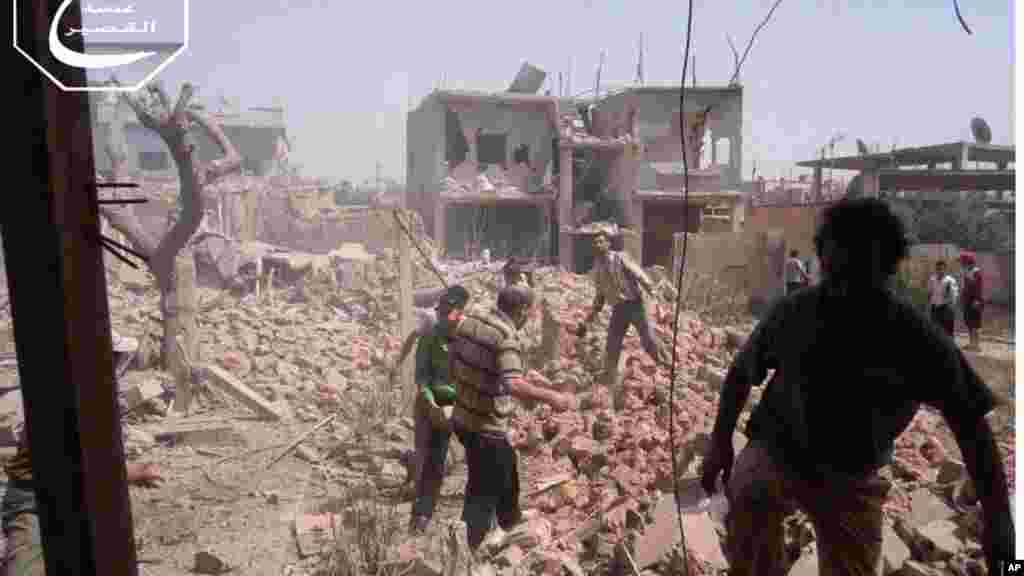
(846,515)
(24,552)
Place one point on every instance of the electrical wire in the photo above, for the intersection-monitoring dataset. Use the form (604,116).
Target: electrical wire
(679,291)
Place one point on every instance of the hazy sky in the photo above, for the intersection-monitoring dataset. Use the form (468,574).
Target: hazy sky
(890,72)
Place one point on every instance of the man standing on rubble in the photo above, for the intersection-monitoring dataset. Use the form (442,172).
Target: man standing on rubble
(487,367)
(796,273)
(852,365)
(620,282)
(971,298)
(435,393)
(942,292)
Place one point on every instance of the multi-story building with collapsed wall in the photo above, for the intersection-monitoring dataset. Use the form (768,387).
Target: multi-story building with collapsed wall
(522,173)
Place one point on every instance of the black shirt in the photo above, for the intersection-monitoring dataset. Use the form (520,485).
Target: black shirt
(850,373)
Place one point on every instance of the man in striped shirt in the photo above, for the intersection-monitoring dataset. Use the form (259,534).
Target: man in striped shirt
(620,282)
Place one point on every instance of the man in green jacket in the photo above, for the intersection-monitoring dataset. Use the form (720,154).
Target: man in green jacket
(435,393)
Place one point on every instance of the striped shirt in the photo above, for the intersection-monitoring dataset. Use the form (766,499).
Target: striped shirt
(616,277)
(485,356)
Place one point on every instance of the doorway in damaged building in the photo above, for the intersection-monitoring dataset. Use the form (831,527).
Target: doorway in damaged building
(662,221)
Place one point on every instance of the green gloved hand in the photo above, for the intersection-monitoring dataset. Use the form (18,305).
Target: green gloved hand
(444,393)
(428,395)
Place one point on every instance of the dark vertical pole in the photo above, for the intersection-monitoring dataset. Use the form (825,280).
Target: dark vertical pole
(61,320)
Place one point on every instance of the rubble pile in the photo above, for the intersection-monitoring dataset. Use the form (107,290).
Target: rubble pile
(597,483)
(602,480)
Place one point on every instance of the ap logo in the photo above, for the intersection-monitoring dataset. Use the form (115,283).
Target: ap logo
(132,39)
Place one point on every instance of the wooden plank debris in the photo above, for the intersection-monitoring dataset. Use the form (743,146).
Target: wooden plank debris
(228,383)
(193,432)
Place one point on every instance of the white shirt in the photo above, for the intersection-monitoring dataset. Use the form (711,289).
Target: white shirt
(795,270)
(941,291)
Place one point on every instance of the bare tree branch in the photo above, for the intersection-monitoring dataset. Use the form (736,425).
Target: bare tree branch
(187,91)
(735,57)
(142,111)
(126,223)
(230,162)
(157,90)
(736,73)
(956,6)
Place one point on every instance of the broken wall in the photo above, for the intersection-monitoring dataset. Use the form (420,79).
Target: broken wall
(529,127)
(425,154)
(797,223)
(278,224)
(505,230)
(652,116)
(721,255)
(748,261)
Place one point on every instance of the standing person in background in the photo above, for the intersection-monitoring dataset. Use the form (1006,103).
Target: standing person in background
(971,298)
(515,273)
(942,297)
(796,273)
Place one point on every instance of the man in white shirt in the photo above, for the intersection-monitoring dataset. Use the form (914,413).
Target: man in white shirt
(942,292)
(796,274)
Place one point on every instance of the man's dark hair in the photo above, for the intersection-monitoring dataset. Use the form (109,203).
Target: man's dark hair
(863,240)
(794,253)
(456,297)
(513,298)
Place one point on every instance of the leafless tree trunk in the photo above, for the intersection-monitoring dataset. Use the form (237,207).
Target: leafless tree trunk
(172,123)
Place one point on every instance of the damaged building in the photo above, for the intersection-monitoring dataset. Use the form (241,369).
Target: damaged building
(481,170)
(524,174)
(258,133)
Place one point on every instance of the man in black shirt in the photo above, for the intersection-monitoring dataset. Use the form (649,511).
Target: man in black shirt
(852,365)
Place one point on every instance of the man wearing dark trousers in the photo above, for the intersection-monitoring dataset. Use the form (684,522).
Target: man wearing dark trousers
(621,283)
(487,367)
(853,363)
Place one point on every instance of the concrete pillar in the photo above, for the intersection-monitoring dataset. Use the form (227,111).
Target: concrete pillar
(960,162)
(440,226)
(870,183)
(565,201)
(816,191)
(737,216)
(470,128)
(544,214)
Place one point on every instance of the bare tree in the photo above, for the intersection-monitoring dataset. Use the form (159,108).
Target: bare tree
(172,123)
(739,60)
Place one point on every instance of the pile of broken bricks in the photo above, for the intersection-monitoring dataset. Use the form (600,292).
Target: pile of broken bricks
(597,483)
(600,480)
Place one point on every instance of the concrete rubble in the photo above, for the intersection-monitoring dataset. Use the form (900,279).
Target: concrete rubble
(597,483)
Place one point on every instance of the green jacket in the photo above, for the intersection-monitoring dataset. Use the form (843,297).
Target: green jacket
(432,366)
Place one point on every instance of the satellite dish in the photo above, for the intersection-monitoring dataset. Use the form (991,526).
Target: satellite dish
(982,133)
(862,148)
